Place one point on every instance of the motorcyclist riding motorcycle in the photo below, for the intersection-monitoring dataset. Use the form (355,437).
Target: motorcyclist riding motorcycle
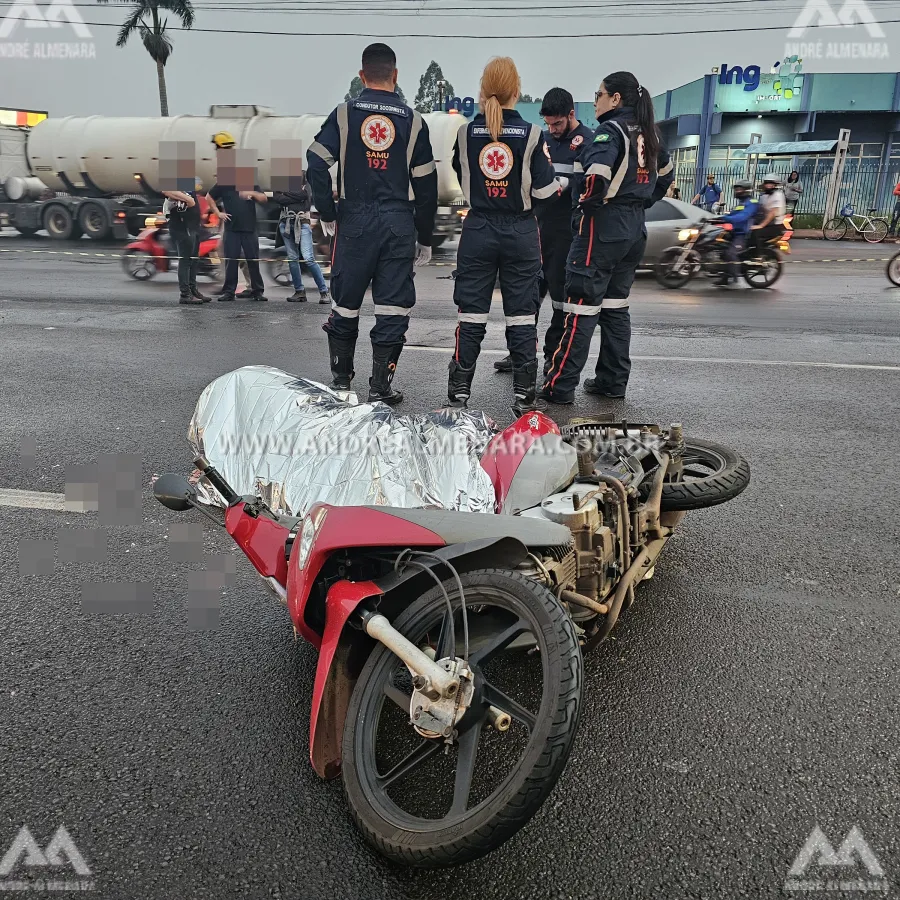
(770,214)
(740,218)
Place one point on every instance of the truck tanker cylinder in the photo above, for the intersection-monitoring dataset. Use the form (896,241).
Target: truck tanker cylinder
(115,155)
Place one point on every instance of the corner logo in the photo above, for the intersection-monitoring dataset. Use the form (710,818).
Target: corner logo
(61,845)
(818,866)
(30,13)
(821,13)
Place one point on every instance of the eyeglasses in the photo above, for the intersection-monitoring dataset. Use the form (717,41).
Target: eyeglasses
(600,93)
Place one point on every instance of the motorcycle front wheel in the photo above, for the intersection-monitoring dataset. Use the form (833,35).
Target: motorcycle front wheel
(138,264)
(762,269)
(893,270)
(423,801)
(673,272)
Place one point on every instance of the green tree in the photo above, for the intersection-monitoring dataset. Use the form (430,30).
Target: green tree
(356,87)
(430,92)
(527,98)
(144,19)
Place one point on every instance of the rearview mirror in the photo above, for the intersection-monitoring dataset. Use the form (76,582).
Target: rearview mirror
(174,492)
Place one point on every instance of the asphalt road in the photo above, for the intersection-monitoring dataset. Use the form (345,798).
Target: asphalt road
(749,695)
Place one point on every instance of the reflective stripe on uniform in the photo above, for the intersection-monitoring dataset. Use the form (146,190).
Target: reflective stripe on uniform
(392,310)
(545,192)
(578,168)
(666,169)
(411,147)
(622,171)
(425,169)
(600,169)
(465,181)
(343,122)
(612,303)
(344,312)
(563,168)
(513,321)
(475,318)
(533,138)
(582,310)
(322,152)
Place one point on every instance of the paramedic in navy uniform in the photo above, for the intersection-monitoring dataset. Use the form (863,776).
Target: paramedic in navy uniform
(383,222)
(504,168)
(620,173)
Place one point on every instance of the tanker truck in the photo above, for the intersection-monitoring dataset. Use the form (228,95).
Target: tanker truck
(99,175)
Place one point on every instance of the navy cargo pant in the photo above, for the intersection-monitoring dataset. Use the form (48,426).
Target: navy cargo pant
(374,244)
(556,239)
(492,244)
(599,275)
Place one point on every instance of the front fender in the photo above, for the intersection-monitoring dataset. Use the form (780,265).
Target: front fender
(345,648)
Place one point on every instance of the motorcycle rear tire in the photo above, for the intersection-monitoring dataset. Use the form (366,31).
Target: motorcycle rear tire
(729,476)
(460,837)
(773,270)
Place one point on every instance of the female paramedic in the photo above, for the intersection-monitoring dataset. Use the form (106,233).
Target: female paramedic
(619,174)
(503,167)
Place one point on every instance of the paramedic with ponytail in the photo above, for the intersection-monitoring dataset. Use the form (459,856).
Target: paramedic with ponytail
(620,173)
(504,168)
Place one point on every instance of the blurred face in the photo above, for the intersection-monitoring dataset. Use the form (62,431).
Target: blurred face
(559,125)
(604,101)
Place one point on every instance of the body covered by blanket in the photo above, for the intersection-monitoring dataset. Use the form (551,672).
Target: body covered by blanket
(295,443)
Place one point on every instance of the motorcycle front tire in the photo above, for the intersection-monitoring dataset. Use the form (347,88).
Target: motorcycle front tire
(666,274)
(469,833)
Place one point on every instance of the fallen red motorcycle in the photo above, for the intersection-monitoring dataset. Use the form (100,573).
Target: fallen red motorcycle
(153,251)
(449,680)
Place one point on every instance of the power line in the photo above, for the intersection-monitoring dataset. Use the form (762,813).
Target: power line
(480,37)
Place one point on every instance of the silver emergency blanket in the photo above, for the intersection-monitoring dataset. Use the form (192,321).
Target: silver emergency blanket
(295,442)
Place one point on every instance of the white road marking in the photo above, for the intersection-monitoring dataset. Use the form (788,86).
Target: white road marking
(36,500)
(704,359)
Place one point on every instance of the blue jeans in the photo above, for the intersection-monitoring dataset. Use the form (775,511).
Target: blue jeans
(306,250)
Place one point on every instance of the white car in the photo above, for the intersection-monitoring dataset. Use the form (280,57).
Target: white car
(664,220)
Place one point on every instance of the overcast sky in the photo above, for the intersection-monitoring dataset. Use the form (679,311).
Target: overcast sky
(310,73)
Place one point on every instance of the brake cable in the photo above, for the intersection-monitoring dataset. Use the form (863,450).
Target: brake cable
(403,558)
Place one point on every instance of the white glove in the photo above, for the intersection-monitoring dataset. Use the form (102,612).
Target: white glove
(423,255)
(328,228)
(562,181)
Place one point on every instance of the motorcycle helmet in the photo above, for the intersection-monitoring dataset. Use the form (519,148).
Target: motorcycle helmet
(742,186)
(223,140)
(772,178)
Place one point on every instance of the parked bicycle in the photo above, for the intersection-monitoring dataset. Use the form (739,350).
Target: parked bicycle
(873,230)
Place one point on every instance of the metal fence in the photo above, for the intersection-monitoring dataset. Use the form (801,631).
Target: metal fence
(864,185)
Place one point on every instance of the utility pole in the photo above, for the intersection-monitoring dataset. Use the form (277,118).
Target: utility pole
(440,93)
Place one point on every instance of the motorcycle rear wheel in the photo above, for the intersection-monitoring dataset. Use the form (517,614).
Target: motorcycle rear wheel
(444,809)
(762,269)
(665,270)
(713,474)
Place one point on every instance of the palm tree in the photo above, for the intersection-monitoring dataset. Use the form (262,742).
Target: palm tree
(144,19)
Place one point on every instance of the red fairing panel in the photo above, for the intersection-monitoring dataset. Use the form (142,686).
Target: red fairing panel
(261,539)
(506,450)
(343,527)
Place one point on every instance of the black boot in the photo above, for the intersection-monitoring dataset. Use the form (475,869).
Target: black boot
(459,384)
(384,365)
(504,365)
(341,352)
(525,389)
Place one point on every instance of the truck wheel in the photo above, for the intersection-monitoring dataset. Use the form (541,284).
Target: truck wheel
(93,220)
(60,223)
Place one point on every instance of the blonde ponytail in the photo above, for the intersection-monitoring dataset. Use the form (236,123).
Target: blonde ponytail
(493,114)
(500,86)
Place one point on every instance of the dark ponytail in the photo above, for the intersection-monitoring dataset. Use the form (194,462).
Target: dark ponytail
(638,98)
